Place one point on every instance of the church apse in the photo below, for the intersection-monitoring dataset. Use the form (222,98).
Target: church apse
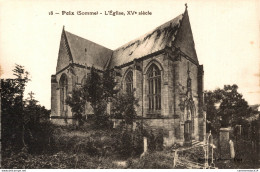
(162,69)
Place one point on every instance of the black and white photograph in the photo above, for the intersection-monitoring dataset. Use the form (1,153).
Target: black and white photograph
(121,84)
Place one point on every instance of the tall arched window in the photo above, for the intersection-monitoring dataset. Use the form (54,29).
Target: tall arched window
(63,94)
(154,88)
(129,82)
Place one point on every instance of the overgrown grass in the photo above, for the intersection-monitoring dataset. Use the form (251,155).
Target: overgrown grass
(83,148)
(60,160)
(153,160)
(90,148)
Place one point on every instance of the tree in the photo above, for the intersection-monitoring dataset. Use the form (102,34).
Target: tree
(93,90)
(12,92)
(21,125)
(124,106)
(99,89)
(77,103)
(38,129)
(226,106)
(33,111)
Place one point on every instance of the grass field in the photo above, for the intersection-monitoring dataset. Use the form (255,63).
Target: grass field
(89,148)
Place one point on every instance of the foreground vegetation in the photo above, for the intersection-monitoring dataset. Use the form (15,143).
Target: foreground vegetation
(30,140)
(86,148)
(89,148)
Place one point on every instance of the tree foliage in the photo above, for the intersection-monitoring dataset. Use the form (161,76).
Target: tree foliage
(38,129)
(12,92)
(124,106)
(93,89)
(98,90)
(77,103)
(21,125)
(33,111)
(109,85)
(226,106)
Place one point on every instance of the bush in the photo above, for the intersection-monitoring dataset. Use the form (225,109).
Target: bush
(155,141)
(93,142)
(39,138)
(195,155)
(156,160)
(128,143)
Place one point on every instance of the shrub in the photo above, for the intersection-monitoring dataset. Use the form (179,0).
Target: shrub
(156,160)
(128,142)
(155,141)
(195,154)
(40,137)
(126,146)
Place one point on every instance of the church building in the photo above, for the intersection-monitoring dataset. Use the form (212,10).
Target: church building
(163,68)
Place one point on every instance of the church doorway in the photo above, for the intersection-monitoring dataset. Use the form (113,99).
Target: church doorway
(187,131)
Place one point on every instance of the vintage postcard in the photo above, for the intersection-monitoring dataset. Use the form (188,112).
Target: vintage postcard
(141,84)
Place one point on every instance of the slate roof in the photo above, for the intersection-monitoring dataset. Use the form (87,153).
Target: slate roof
(86,52)
(151,42)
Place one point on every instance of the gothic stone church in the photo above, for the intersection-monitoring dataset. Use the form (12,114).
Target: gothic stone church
(162,66)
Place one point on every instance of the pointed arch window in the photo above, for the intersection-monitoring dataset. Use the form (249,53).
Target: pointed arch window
(129,82)
(154,88)
(63,94)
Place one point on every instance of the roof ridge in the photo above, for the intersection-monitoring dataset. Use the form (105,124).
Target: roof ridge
(150,32)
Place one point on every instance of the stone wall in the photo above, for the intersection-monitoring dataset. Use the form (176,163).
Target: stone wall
(174,92)
(166,126)
(156,126)
(176,69)
(54,85)
(75,76)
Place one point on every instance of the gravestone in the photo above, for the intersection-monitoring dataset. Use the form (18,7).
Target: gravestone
(224,143)
(175,158)
(145,147)
(145,144)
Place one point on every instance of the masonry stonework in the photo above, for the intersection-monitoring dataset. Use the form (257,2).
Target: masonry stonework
(167,78)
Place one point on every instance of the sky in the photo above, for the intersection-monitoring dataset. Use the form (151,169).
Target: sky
(226,35)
